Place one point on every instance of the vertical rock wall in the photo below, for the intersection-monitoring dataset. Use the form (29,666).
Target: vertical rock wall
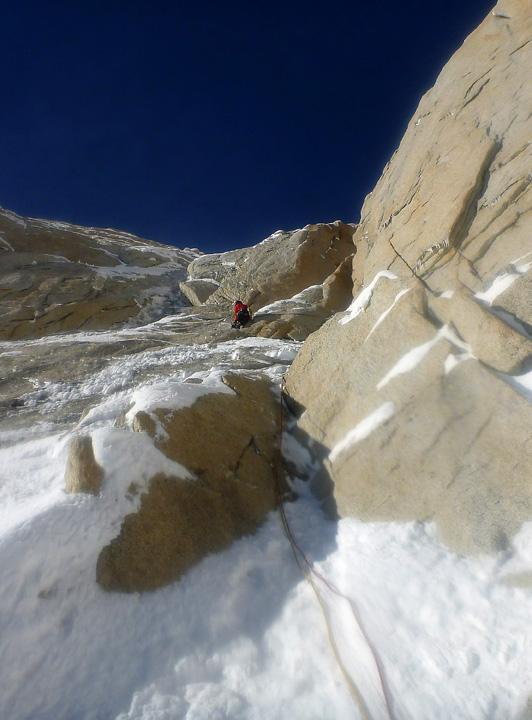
(418,397)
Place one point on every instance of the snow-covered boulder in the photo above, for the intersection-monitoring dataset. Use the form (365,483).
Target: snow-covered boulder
(419,394)
(228,443)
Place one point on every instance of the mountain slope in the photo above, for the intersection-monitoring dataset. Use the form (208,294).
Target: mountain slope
(57,277)
(147,457)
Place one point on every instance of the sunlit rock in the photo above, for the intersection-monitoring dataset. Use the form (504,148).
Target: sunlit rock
(417,398)
(198,291)
(230,444)
(56,277)
(82,473)
(279,267)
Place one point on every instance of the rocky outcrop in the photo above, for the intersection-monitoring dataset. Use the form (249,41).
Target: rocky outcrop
(279,267)
(82,473)
(297,317)
(198,291)
(60,278)
(453,205)
(56,277)
(418,395)
(412,426)
(229,443)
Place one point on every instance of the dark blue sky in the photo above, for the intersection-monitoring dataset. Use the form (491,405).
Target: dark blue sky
(211,123)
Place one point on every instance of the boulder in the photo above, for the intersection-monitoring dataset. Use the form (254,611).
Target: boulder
(230,443)
(82,473)
(198,291)
(215,266)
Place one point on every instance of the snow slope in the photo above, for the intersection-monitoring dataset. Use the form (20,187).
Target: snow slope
(243,636)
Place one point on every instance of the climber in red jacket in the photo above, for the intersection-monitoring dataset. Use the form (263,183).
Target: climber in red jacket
(241,314)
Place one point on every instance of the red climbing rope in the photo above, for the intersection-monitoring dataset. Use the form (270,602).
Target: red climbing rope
(308,569)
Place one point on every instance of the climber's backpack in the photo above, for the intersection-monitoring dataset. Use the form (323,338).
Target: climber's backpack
(243,316)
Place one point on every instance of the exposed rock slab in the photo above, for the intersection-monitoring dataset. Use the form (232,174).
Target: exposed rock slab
(277,268)
(411,426)
(416,396)
(491,339)
(198,291)
(229,442)
(297,317)
(56,277)
(454,203)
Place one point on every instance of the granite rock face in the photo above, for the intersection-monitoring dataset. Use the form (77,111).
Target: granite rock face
(198,291)
(56,277)
(230,444)
(59,278)
(277,268)
(418,397)
(297,317)
(453,204)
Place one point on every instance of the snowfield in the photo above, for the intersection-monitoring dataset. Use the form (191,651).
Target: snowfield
(393,625)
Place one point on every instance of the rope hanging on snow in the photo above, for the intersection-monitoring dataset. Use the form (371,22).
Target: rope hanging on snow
(311,575)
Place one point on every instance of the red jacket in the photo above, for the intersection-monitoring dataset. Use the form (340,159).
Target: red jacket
(237,307)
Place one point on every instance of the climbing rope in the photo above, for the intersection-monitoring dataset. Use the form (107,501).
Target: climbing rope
(311,574)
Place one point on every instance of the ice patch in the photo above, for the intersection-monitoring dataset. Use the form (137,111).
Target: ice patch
(127,456)
(502,282)
(364,429)
(296,453)
(413,357)
(521,383)
(132,271)
(498,286)
(292,304)
(6,243)
(451,361)
(355,654)
(282,350)
(31,477)
(363,299)
(386,312)
(105,413)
